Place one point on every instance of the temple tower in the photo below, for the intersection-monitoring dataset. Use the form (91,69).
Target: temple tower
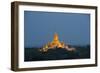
(54,44)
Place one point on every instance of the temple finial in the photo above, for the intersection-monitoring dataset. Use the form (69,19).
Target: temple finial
(55,36)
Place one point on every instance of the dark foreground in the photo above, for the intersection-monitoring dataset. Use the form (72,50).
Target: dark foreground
(33,54)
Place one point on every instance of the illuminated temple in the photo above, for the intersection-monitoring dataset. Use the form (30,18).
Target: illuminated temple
(55,44)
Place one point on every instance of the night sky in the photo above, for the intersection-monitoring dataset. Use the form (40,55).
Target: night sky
(39,28)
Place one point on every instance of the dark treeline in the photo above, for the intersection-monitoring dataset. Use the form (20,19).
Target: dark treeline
(33,54)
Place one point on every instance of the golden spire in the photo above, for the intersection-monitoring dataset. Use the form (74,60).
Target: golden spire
(56,37)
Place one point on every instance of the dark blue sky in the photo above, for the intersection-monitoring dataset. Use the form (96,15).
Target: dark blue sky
(72,28)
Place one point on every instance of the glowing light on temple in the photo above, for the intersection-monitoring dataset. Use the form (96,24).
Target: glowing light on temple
(56,44)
